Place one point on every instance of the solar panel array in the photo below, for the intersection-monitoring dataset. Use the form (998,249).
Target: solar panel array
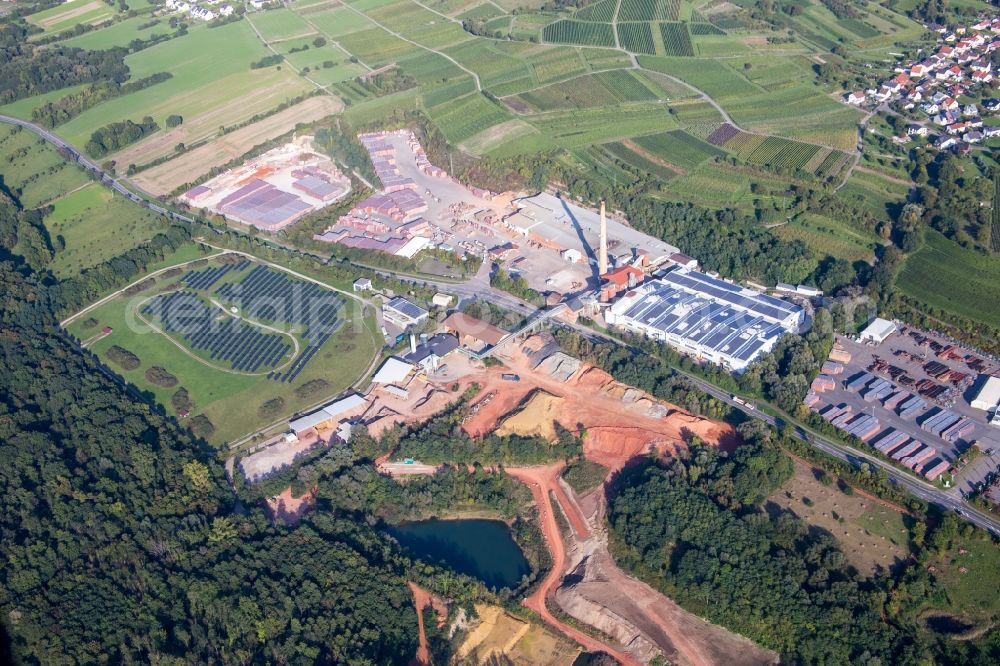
(699,320)
(203,279)
(270,295)
(245,347)
(761,304)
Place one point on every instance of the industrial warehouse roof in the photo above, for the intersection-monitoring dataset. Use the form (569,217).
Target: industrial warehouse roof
(988,395)
(438,345)
(327,413)
(392,371)
(770,308)
(701,320)
(405,308)
(878,330)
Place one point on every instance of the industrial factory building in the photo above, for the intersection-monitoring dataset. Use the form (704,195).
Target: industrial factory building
(707,318)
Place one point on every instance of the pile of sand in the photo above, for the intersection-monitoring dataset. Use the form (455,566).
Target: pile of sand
(534,418)
(559,366)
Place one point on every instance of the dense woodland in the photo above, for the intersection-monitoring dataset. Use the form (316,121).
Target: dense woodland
(116,136)
(693,527)
(123,544)
(27,70)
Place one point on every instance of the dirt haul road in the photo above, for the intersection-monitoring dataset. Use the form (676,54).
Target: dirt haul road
(421,599)
(542,481)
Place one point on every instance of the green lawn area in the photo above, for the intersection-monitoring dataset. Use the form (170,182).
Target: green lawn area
(891,525)
(119,34)
(95,227)
(949,277)
(276,24)
(230,401)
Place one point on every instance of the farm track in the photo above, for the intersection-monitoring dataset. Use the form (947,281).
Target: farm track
(475,77)
(288,64)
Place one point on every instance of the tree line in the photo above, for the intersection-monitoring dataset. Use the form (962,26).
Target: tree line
(115,136)
(70,106)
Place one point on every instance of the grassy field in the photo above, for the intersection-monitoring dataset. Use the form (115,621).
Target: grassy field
(70,14)
(828,236)
(279,24)
(91,226)
(949,277)
(33,169)
(872,537)
(212,85)
(230,401)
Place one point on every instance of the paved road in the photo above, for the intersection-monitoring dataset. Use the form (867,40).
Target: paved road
(105,178)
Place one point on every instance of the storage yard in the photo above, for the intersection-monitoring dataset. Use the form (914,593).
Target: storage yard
(274,190)
(907,394)
(549,241)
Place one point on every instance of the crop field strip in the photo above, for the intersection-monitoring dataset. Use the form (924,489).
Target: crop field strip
(680,148)
(636,37)
(624,153)
(460,119)
(602,11)
(246,348)
(649,10)
(705,29)
(676,40)
(568,31)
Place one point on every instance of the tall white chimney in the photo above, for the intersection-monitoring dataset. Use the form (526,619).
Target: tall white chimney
(602,252)
(413,344)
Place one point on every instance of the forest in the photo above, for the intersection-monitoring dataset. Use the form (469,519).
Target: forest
(115,136)
(26,70)
(122,543)
(693,527)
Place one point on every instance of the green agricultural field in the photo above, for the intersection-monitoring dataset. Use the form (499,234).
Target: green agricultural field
(882,198)
(601,11)
(709,76)
(212,78)
(574,129)
(464,117)
(679,148)
(375,47)
(278,24)
(649,10)
(72,13)
(230,399)
(712,187)
(554,63)
(34,170)
(827,236)
(947,276)
(90,226)
(339,22)
(493,66)
(119,34)
(676,40)
(579,32)
(635,156)
(636,37)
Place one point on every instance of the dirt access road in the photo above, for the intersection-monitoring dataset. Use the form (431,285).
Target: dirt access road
(421,599)
(542,481)
(630,610)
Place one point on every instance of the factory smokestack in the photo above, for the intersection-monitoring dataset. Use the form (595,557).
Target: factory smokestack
(602,252)
(413,344)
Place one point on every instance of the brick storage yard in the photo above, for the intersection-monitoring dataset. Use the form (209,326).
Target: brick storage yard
(275,189)
(913,389)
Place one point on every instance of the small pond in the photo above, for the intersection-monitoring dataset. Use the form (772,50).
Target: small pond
(480,548)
